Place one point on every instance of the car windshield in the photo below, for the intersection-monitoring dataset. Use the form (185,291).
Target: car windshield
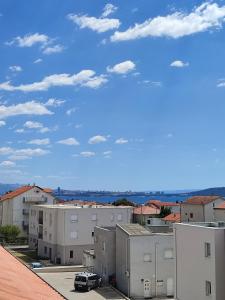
(81,278)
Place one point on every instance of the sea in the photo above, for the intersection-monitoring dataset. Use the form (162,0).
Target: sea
(135,199)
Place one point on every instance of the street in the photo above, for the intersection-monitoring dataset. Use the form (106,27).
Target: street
(63,283)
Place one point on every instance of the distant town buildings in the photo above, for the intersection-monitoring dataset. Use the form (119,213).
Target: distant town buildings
(200,208)
(62,232)
(15,205)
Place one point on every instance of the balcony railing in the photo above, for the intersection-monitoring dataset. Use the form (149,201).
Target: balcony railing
(33,199)
(25,212)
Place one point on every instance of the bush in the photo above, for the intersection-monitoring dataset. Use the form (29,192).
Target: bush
(9,233)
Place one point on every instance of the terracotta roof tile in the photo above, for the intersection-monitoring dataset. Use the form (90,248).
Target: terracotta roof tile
(17,282)
(174,217)
(159,203)
(16,192)
(201,199)
(220,206)
(146,210)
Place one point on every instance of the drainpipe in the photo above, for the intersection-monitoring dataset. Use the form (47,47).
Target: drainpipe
(203,208)
(156,268)
(175,242)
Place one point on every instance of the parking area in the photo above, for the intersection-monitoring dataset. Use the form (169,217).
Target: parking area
(63,282)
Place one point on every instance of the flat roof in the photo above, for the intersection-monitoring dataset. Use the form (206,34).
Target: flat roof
(211,225)
(134,229)
(17,282)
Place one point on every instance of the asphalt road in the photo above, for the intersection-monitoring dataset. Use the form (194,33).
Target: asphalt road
(63,282)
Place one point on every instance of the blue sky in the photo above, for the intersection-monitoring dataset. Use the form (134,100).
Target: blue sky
(119,95)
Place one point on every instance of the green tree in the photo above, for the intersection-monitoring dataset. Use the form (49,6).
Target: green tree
(123,202)
(164,211)
(9,232)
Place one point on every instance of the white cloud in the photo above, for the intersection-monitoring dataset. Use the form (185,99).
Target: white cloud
(54,102)
(27,153)
(33,125)
(121,141)
(221,83)
(71,110)
(169,136)
(29,40)
(204,17)
(85,78)
(152,83)
(96,24)
(20,130)
(5,150)
(69,142)
(37,61)
(44,130)
(107,152)
(40,142)
(7,164)
(109,9)
(77,126)
(27,108)
(2,123)
(179,64)
(122,68)
(15,68)
(97,139)
(87,154)
(53,49)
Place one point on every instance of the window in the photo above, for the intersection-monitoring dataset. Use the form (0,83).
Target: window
(191,215)
(50,219)
(103,246)
(73,235)
(71,253)
(94,217)
(207,250)
(149,222)
(168,253)
(50,236)
(208,290)
(92,234)
(45,250)
(119,217)
(73,218)
(147,257)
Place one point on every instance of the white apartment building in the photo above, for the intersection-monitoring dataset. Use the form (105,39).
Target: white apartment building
(199,208)
(15,205)
(144,262)
(62,232)
(200,261)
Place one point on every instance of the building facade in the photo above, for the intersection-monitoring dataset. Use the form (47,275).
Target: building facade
(15,206)
(105,253)
(200,208)
(62,232)
(200,261)
(144,262)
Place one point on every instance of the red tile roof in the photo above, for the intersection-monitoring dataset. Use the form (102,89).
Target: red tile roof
(17,282)
(220,206)
(146,210)
(16,192)
(201,199)
(159,203)
(47,190)
(174,217)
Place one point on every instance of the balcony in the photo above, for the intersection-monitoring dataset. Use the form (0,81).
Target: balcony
(25,212)
(35,199)
(25,226)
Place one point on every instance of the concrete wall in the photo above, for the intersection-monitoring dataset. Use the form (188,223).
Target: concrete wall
(219,215)
(105,252)
(193,269)
(195,209)
(209,209)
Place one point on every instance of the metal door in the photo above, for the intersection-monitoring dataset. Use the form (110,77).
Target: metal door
(147,289)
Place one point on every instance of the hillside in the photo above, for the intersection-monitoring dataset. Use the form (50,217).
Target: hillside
(217,191)
(4,187)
